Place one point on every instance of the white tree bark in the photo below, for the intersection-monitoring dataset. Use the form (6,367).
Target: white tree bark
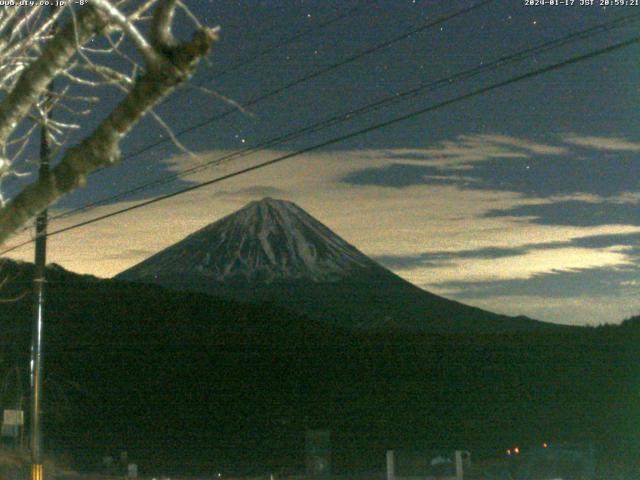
(167,63)
(53,59)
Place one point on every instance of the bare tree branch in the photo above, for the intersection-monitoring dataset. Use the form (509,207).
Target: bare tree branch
(54,58)
(169,65)
(161,35)
(150,55)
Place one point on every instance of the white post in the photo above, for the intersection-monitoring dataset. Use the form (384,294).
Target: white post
(390,465)
(459,469)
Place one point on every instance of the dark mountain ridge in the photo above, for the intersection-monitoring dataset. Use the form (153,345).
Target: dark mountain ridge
(272,250)
(180,378)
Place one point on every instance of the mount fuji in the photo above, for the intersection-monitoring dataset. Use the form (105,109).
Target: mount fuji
(272,250)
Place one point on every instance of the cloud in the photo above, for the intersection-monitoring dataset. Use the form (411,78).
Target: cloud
(431,232)
(445,258)
(629,243)
(525,266)
(592,295)
(609,240)
(253,192)
(531,175)
(603,281)
(603,143)
(524,144)
(577,310)
(626,197)
(466,150)
(409,262)
(573,212)
(402,175)
(128,176)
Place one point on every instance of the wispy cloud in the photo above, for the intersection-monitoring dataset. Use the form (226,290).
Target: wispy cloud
(525,266)
(506,163)
(524,144)
(491,221)
(253,192)
(604,143)
(574,212)
(595,283)
(466,150)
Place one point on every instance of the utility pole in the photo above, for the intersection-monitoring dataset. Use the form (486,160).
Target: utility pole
(37,470)
(39,280)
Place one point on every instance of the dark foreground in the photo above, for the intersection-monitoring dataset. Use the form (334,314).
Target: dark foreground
(190,383)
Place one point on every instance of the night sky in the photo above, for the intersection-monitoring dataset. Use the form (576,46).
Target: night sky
(523,200)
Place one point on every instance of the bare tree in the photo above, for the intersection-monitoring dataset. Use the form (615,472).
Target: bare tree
(91,49)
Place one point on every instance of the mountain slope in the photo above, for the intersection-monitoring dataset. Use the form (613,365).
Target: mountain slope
(272,250)
(185,380)
(137,367)
(264,242)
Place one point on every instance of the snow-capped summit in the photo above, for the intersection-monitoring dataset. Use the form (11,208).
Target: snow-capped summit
(266,241)
(272,250)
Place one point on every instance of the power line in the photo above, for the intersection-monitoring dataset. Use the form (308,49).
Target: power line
(298,81)
(268,50)
(415,113)
(287,41)
(346,116)
(442,19)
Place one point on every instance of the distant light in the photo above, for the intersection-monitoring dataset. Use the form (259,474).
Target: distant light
(545,445)
(219,474)
(508,451)
(516,450)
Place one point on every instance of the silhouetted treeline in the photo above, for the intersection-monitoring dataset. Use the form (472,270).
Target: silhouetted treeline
(181,378)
